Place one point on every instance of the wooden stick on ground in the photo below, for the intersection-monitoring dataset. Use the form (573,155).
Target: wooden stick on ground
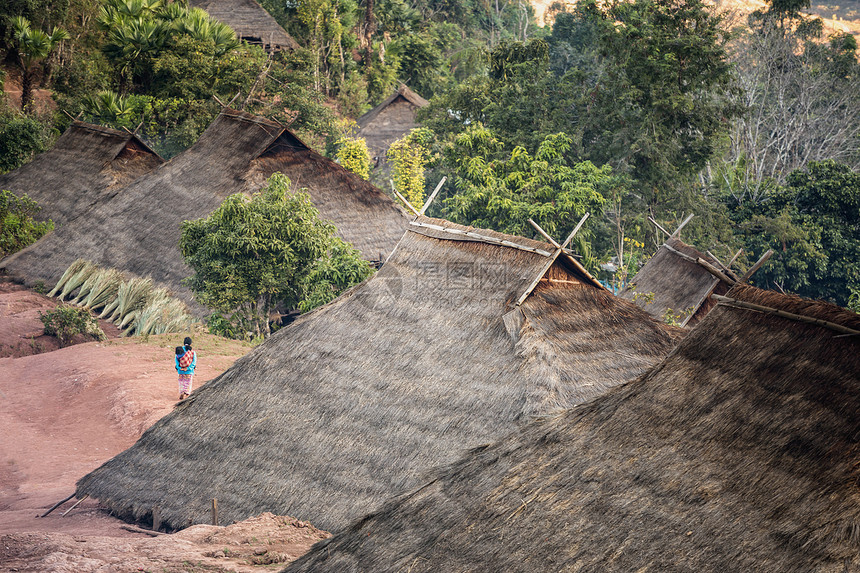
(77,503)
(144,531)
(56,505)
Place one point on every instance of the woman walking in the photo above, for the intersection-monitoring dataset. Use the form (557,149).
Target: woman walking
(186,362)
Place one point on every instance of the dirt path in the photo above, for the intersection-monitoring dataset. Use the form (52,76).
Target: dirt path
(64,412)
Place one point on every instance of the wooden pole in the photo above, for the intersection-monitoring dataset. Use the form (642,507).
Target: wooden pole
(238,93)
(725,269)
(677,232)
(403,199)
(734,258)
(575,231)
(656,224)
(756,266)
(56,505)
(156,518)
(433,195)
(214,511)
(77,503)
(144,531)
(715,271)
(544,234)
(789,315)
(221,103)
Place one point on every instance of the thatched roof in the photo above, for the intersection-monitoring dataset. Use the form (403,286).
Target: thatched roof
(739,452)
(357,399)
(678,283)
(390,120)
(138,229)
(87,165)
(250,21)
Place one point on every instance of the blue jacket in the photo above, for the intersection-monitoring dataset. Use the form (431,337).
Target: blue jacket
(191,367)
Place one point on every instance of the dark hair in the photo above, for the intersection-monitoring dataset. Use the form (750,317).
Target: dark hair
(180,350)
(187,342)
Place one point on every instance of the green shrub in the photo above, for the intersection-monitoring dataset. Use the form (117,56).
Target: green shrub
(21,138)
(64,322)
(17,226)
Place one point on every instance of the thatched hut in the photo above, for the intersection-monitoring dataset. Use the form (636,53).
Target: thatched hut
(389,121)
(138,229)
(739,452)
(674,282)
(87,165)
(357,399)
(250,21)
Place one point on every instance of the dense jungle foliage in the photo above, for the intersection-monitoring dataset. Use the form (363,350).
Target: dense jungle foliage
(627,109)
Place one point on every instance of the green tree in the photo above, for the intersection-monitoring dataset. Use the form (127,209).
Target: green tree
(503,194)
(18,228)
(352,154)
(408,157)
(33,46)
(252,254)
(21,137)
(813,225)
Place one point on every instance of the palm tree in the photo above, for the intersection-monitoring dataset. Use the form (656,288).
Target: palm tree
(33,47)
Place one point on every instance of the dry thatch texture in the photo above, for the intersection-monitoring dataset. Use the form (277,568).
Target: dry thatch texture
(357,399)
(250,21)
(676,283)
(739,452)
(363,215)
(86,166)
(138,230)
(390,120)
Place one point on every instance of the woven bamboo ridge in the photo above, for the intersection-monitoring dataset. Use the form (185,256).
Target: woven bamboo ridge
(677,282)
(138,229)
(250,21)
(356,400)
(739,452)
(87,165)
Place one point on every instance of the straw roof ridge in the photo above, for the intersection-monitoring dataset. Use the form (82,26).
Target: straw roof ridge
(357,400)
(402,91)
(677,283)
(740,450)
(88,164)
(250,21)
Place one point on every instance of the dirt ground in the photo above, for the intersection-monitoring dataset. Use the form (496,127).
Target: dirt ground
(64,412)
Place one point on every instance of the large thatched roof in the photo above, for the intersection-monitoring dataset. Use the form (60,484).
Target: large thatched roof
(739,452)
(87,165)
(390,120)
(250,21)
(677,282)
(138,229)
(356,400)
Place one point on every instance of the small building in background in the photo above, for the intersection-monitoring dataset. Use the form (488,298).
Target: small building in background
(250,21)
(388,122)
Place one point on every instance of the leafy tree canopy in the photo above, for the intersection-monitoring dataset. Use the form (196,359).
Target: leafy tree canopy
(253,253)
(18,228)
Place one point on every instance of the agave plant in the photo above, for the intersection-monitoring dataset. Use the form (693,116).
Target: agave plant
(105,290)
(70,271)
(131,297)
(78,279)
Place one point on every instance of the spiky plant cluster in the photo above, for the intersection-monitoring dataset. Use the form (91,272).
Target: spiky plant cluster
(133,303)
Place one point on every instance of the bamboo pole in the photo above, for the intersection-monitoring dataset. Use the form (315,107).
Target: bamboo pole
(56,505)
(734,258)
(403,199)
(677,232)
(656,224)
(433,195)
(214,511)
(545,235)
(789,315)
(715,271)
(756,266)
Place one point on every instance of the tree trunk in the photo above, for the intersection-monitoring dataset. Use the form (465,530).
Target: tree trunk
(26,90)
